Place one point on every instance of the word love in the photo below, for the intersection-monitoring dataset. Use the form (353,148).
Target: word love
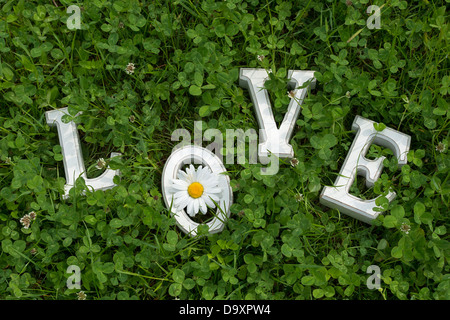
(273,144)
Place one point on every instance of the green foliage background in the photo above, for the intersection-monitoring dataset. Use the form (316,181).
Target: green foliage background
(187,55)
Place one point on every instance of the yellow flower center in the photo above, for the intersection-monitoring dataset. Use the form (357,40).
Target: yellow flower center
(195,190)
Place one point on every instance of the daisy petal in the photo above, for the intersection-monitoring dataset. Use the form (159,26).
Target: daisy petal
(190,208)
(213,197)
(203,207)
(210,182)
(196,206)
(181,200)
(191,172)
(182,175)
(209,202)
(214,190)
(179,184)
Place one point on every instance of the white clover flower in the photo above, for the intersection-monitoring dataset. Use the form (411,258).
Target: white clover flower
(294,162)
(195,190)
(101,163)
(81,295)
(405,228)
(291,94)
(260,57)
(440,147)
(298,197)
(32,215)
(26,221)
(130,68)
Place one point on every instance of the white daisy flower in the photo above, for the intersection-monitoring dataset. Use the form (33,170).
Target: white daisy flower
(195,190)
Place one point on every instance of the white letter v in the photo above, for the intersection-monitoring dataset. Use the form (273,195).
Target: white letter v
(275,140)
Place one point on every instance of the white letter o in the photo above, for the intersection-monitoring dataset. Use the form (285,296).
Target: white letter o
(198,155)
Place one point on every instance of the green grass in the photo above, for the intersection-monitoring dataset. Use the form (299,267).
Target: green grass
(187,56)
